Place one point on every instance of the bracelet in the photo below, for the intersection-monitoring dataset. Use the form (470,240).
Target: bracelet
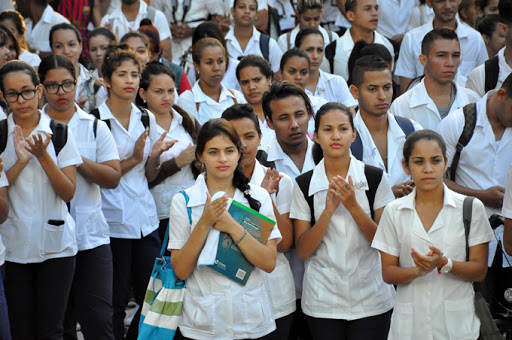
(241,238)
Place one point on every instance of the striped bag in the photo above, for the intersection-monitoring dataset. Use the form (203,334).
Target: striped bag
(163,303)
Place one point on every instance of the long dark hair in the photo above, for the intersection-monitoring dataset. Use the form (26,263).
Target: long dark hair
(53,62)
(217,127)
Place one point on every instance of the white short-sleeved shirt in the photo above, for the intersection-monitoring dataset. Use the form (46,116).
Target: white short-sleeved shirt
(476,79)
(26,233)
(30,58)
(38,35)
(120,25)
(507,200)
(279,283)
(343,278)
(287,41)
(253,47)
(394,16)
(345,45)
(334,88)
(91,226)
(215,307)
(183,179)
(286,13)
(267,134)
(208,108)
(130,209)
(396,139)
(483,162)
(472,48)
(4,183)
(417,105)
(433,306)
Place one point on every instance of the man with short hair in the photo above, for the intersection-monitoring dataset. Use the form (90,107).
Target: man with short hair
(472,46)
(494,71)
(437,95)
(381,136)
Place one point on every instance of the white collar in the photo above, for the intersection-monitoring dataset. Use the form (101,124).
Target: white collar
(408,202)
(275,151)
(200,97)
(47,16)
(42,126)
(254,37)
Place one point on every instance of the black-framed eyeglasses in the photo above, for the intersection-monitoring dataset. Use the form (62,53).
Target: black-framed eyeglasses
(66,86)
(25,94)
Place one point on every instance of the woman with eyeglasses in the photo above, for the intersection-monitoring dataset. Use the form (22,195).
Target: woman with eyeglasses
(90,301)
(40,160)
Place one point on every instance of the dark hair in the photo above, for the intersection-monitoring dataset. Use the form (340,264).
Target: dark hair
(236,2)
(507,85)
(138,35)
(216,127)
(151,70)
(488,24)
(208,29)
(152,36)
(255,61)
(436,34)
(64,26)
(416,136)
(18,66)
(280,90)
(350,5)
(304,5)
(505,10)
(101,31)
(368,63)
(114,57)
(201,45)
(303,33)
(53,62)
(240,111)
(294,52)
(9,34)
(361,49)
(318,153)
(19,23)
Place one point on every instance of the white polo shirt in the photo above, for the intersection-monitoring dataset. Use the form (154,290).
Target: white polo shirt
(287,42)
(472,49)
(5,183)
(394,16)
(507,200)
(120,25)
(334,88)
(420,15)
(433,306)
(279,283)
(38,35)
(30,58)
(91,226)
(215,307)
(284,163)
(26,233)
(130,209)
(417,105)
(183,179)
(396,139)
(253,47)
(345,45)
(476,79)
(484,162)
(208,108)
(343,278)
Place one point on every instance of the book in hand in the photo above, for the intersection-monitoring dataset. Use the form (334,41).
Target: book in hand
(230,261)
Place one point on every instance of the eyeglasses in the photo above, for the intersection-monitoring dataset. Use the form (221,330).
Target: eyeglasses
(67,87)
(25,94)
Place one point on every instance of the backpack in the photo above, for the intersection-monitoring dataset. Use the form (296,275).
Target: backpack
(59,136)
(357,146)
(373,177)
(492,70)
(467,132)
(330,52)
(144,118)
(265,46)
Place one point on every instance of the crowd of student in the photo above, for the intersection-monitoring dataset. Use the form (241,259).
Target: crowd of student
(358,127)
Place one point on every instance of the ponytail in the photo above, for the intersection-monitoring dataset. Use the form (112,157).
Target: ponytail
(241,182)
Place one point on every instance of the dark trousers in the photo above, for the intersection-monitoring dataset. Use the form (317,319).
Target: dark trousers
(300,326)
(180,336)
(283,327)
(162,228)
(37,295)
(5,330)
(373,327)
(133,262)
(90,301)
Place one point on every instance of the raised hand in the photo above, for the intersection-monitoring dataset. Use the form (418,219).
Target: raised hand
(20,145)
(138,150)
(213,210)
(271,181)
(344,191)
(162,145)
(37,146)
(428,262)
(187,156)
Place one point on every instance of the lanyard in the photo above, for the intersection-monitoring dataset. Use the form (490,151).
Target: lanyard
(186,7)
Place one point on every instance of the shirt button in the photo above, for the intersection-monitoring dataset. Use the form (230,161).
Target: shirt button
(228,295)
(29,214)
(427,320)
(230,330)
(345,278)
(29,185)
(27,242)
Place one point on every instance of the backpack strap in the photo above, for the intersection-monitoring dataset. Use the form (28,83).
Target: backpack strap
(59,136)
(96,114)
(303,181)
(373,177)
(330,52)
(262,156)
(234,97)
(492,70)
(405,124)
(289,40)
(467,132)
(166,238)
(95,127)
(357,148)
(144,118)
(3,135)
(331,36)
(467,212)
(265,46)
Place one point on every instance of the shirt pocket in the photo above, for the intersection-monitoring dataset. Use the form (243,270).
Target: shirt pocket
(461,320)
(87,150)
(321,287)
(112,206)
(199,313)
(369,284)
(257,308)
(455,250)
(53,238)
(402,321)
(88,221)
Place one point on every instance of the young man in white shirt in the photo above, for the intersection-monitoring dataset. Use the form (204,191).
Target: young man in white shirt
(39,19)
(394,18)
(364,18)
(382,138)
(479,78)
(127,18)
(473,50)
(437,95)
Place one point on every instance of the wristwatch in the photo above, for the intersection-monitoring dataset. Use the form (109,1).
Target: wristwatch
(446,268)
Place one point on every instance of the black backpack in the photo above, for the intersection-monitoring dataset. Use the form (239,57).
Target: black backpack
(265,46)
(373,177)
(144,118)
(330,52)
(492,69)
(59,136)
(467,132)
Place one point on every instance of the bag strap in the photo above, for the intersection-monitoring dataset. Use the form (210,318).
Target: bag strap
(303,181)
(59,136)
(467,132)
(357,148)
(289,40)
(492,70)
(144,118)
(96,114)
(373,177)
(405,124)
(3,135)
(166,237)
(467,212)
(234,97)
(265,46)
(262,157)
(330,52)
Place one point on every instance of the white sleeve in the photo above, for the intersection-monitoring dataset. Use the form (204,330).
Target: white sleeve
(69,155)
(480,230)
(267,210)
(299,209)
(106,147)
(162,25)
(405,66)
(3,180)
(281,41)
(507,200)
(285,194)
(476,81)
(180,228)
(450,129)
(153,130)
(344,95)
(384,194)
(262,5)
(275,55)
(386,238)
(186,102)
(481,54)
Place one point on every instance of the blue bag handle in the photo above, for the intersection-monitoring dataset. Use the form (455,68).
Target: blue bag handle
(166,238)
